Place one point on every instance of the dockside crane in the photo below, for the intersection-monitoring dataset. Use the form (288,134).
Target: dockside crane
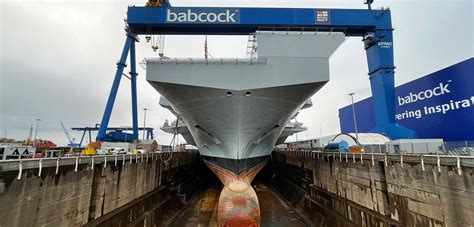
(30,136)
(72,142)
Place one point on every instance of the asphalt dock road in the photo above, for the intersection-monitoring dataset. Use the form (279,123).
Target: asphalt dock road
(202,211)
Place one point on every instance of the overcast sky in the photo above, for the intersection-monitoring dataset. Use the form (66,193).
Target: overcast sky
(57,60)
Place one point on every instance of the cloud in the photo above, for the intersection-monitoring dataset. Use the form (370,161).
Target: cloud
(58,58)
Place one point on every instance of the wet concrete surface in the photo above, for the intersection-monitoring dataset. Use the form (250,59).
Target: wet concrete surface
(202,210)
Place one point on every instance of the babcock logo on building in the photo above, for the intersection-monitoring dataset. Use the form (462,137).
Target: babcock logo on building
(441,89)
(203,15)
(439,105)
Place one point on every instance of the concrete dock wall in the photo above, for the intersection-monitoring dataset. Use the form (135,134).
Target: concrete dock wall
(381,190)
(70,194)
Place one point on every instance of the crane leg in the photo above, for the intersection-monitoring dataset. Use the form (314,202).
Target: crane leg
(113,91)
(133,79)
(82,138)
(379,50)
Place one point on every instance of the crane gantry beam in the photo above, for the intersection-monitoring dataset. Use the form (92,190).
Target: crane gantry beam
(243,21)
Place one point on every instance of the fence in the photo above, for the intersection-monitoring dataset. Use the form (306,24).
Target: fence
(40,163)
(459,147)
(464,148)
(447,160)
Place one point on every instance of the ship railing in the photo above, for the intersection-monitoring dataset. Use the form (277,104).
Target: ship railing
(210,61)
(300,30)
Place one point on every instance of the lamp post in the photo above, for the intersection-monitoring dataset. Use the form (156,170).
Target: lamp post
(354,115)
(144,122)
(36,131)
(369,3)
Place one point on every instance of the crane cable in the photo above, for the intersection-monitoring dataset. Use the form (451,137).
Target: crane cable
(154,45)
(206,50)
(157,43)
(173,142)
(162,45)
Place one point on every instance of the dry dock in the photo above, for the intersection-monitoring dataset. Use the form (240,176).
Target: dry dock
(294,189)
(202,210)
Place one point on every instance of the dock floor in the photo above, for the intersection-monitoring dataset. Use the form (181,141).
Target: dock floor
(202,211)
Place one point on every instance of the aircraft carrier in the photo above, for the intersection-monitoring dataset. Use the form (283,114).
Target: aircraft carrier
(236,109)
(403,157)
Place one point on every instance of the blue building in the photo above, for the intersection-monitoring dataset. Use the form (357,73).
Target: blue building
(439,105)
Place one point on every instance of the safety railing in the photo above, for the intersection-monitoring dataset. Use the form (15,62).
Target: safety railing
(458,161)
(39,163)
(449,147)
(459,147)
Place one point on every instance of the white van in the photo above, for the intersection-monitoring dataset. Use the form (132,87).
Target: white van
(117,151)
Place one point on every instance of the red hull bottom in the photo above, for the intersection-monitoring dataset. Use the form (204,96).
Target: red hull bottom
(238,202)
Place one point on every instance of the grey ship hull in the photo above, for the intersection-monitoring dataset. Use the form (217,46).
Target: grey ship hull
(236,109)
(179,127)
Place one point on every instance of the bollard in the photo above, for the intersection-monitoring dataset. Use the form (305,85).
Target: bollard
(115,156)
(346,157)
(361,159)
(353,158)
(385,160)
(92,162)
(105,161)
(373,162)
(123,160)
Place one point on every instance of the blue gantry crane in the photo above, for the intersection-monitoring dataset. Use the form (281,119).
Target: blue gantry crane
(72,142)
(374,26)
(115,134)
